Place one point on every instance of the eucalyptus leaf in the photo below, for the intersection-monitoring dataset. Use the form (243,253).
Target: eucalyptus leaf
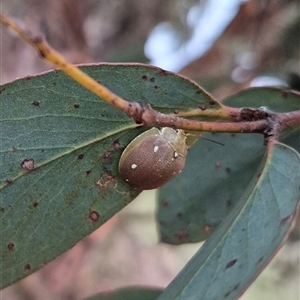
(192,205)
(133,293)
(60,146)
(251,234)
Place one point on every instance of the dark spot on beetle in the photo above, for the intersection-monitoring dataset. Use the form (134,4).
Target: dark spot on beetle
(88,172)
(156,87)
(218,164)
(286,219)
(116,144)
(152,79)
(231,263)
(35,103)
(227,171)
(2,90)
(181,235)
(27,267)
(10,246)
(35,204)
(212,102)
(94,216)
(232,135)
(144,77)
(76,105)
(176,111)
(179,215)
(80,156)
(8,181)
(27,164)
(1,209)
(202,107)
(164,203)
(232,290)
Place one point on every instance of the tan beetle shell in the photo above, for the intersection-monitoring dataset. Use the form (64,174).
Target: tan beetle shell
(153,158)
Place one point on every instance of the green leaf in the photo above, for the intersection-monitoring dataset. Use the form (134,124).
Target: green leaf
(129,294)
(244,243)
(60,147)
(192,205)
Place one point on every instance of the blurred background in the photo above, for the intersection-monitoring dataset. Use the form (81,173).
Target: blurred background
(225,46)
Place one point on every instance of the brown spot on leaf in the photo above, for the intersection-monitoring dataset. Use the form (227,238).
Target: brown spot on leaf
(164,203)
(231,263)
(260,260)
(2,90)
(212,102)
(10,246)
(162,72)
(76,105)
(198,92)
(35,204)
(1,209)
(208,228)
(8,181)
(179,215)
(218,164)
(232,290)
(107,158)
(28,77)
(27,164)
(36,103)
(116,144)
(105,180)
(27,267)
(152,79)
(181,235)
(54,83)
(94,216)
(88,172)
(227,171)
(144,77)
(156,87)
(232,135)
(202,107)
(80,156)
(286,219)
(176,111)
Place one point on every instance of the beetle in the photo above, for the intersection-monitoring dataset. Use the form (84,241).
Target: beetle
(153,158)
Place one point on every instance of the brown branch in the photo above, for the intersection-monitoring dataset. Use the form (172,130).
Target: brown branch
(289,120)
(246,120)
